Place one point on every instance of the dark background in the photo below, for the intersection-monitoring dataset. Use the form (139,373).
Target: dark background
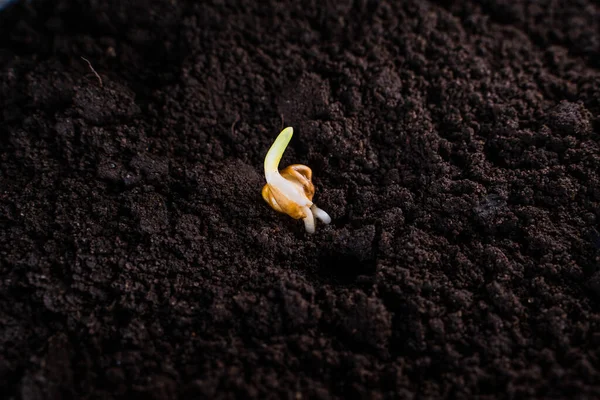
(456,148)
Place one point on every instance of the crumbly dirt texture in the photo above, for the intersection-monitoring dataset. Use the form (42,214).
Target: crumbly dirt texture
(454,144)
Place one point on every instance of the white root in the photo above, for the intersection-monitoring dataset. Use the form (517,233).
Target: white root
(309,221)
(320,214)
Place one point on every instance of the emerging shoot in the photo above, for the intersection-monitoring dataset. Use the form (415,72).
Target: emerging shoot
(291,191)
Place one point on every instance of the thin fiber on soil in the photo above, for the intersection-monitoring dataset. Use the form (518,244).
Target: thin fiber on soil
(456,146)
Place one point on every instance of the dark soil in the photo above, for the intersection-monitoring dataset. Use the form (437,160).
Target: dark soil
(456,147)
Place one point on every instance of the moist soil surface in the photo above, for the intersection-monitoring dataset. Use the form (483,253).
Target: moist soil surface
(454,144)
